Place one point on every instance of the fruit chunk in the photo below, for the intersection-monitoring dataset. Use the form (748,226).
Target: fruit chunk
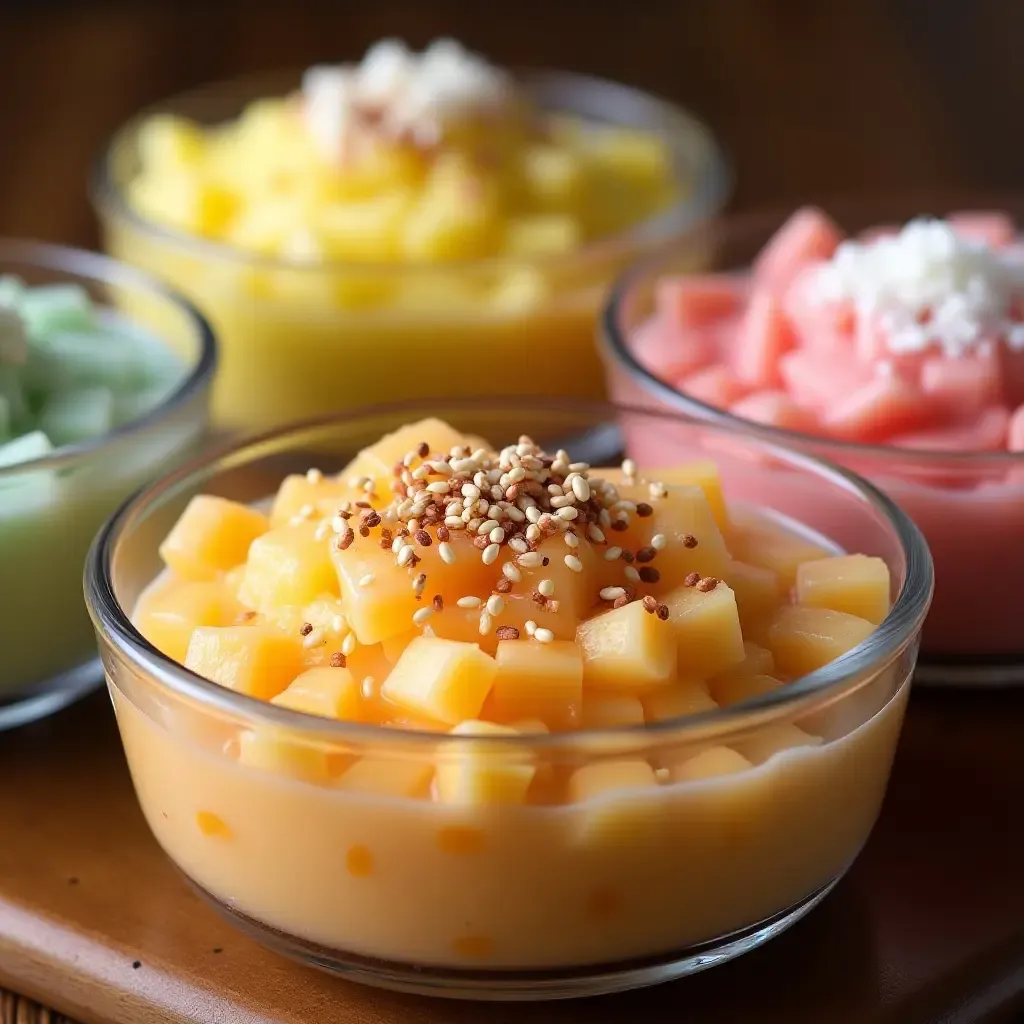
(878,409)
(609,711)
(702,473)
(627,648)
(732,690)
(764,336)
(716,386)
(700,300)
(612,809)
(388,777)
(443,680)
(774,739)
(768,545)
(327,692)
(537,680)
(167,615)
(856,584)
(271,750)
(808,236)
(805,639)
(676,701)
(774,409)
(709,764)
(211,536)
(289,565)
(757,661)
(758,591)
(965,386)
(259,661)
(706,626)
(483,773)
(323,494)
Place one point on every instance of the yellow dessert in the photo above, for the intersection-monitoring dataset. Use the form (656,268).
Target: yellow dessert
(484,609)
(414,209)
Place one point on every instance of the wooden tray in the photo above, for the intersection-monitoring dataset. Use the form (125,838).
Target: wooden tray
(96,922)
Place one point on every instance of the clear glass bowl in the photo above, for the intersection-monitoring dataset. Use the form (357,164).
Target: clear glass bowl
(372,330)
(968,505)
(51,508)
(544,900)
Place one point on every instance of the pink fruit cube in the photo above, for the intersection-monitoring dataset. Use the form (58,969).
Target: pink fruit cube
(807,237)
(962,386)
(717,386)
(816,379)
(764,336)
(700,300)
(986,226)
(883,407)
(775,409)
(669,352)
(1015,431)
(827,326)
(987,433)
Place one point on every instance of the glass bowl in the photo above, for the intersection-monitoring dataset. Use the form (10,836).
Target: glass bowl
(372,330)
(380,884)
(50,508)
(968,504)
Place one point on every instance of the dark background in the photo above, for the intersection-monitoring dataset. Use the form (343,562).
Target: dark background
(811,97)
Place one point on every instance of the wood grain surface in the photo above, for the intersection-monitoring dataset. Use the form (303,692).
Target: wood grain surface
(811,98)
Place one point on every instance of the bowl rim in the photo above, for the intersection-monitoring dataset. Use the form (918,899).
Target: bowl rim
(710,188)
(880,648)
(612,339)
(98,269)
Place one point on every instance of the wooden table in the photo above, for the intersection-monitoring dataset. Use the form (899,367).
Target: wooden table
(811,99)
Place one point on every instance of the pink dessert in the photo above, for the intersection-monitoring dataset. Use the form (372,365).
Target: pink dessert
(902,352)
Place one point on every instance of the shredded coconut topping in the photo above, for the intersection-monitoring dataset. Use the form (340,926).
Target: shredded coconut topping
(398,94)
(929,287)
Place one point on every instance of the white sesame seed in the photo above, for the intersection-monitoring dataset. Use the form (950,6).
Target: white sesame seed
(612,593)
(368,486)
(348,645)
(531,627)
(367,687)
(405,556)
(486,623)
(421,473)
(454,522)
(409,458)
(487,525)
(546,588)
(397,544)
(569,513)
(581,488)
(490,553)
(422,614)
(658,541)
(413,525)
(419,584)
(530,560)
(543,636)
(519,545)
(533,513)
(624,506)
(595,533)
(337,623)
(573,563)
(322,530)
(562,501)
(658,490)
(533,532)
(631,574)
(571,540)
(441,468)
(469,602)
(314,476)
(516,474)
(365,581)
(470,491)
(339,524)
(313,639)
(628,468)
(495,605)
(447,553)
(612,553)
(419,508)
(556,491)
(438,487)
(510,572)
(515,515)
(604,518)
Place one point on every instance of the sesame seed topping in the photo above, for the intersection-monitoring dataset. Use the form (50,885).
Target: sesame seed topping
(507,633)
(486,623)
(632,574)
(571,540)
(314,639)
(447,552)
(658,490)
(580,488)
(612,593)
(469,602)
(504,585)
(663,612)
(646,554)
(406,554)
(419,584)
(348,645)
(423,538)
(692,579)
(621,602)
(365,581)
(546,588)
(612,554)
(643,510)
(306,628)
(659,540)
(314,476)
(595,533)
(569,513)
(495,605)
(531,627)
(497,535)
(689,541)
(628,468)
(442,533)
(707,584)
(422,614)
(543,636)
(322,530)
(438,603)
(511,572)
(338,660)
(648,574)
(490,554)
(572,562)
(650,604)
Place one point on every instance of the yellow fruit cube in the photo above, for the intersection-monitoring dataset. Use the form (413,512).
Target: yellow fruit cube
(288,566)
(706,625)
(274,750)
(483,773)
(703,474)
(627,648)
(369,230)
(259,661)
(677,700)
(182,199)
(612,809)
(638,156)
(545,234)
(167,615)
(393,646)
(804,639)
(758,592)
(709,764)
(443,680)
(757,661)
(166,141)
(856,584)
(298,494)
(456,217)
(774,739)
(389,777)
(738,688)
(609,711)
(535,680)
(761,542)
(327,692)
(211,536)
(553,176)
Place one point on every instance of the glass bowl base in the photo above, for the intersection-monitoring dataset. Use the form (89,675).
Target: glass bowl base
(968,671)
(49,697)
(521,986)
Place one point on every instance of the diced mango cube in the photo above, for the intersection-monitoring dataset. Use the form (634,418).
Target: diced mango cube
(706,625)
(167,615)
(389,777)
(211,536)
(638,156)
(287,566)
(166,141)
(535,680)
(483,773)
(327,692)
(543,234)
(259,661)
(443,680)
(273,750)
(297,493)
(703,474)
(766,544)
(443,228)
(609,711)
(627,648)
(758,591)
(774,739)
(612,809)
(677,700)
(553,176)
(804,639)
(711,763)
(757,661)
(856,584)
(738,688)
